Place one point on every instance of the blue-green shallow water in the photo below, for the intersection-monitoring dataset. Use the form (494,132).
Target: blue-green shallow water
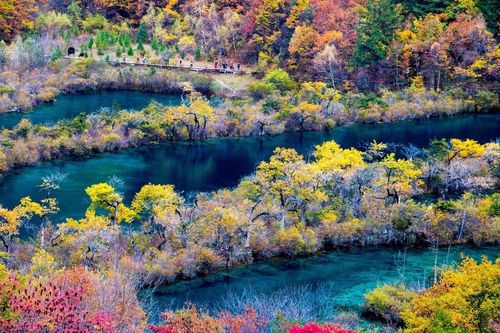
(337,278)
(206,166)
(69,106)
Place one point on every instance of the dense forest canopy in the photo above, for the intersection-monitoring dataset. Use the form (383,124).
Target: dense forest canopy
(367,43)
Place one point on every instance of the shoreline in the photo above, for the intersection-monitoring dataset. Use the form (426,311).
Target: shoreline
(91,152)
(421,246)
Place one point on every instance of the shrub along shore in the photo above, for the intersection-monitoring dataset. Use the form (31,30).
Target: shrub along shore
(83,75)
(350,61)
(289,207)
(277,105)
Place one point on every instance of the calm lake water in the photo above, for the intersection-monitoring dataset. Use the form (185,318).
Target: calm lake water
(329,282)
(69,106)
(211,165)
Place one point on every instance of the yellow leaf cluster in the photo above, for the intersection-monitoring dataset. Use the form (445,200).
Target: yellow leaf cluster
(331,157)
(464,300)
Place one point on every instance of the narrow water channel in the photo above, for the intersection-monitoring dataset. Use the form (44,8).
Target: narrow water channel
(219,163)
(70,106)
(326,283)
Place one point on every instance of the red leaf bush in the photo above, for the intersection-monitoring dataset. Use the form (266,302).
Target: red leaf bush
(54,306)
(191,320)
(317,328)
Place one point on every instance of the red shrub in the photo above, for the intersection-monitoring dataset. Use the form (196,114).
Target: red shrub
(49,307)
(317,328)
(191,320)
(248,322)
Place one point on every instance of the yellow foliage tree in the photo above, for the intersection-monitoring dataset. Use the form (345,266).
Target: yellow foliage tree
(305,112)
(42,263)
(464,300)
(11,220)
(158,204)
(104,196)
(399,174)
(195,117)
(465,149)
(331,157)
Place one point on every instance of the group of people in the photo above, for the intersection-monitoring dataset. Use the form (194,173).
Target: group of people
(190,64)
(217,65)
(224,65)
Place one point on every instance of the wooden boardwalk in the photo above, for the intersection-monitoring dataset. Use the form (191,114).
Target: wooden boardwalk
(172,67)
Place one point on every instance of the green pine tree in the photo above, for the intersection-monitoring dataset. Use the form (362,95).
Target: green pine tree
(91,43)
(142,34)
(377,24)
(154,45)
(422,7)
(491,12)
(197,53)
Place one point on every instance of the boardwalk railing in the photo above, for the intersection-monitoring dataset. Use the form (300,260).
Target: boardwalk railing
(172,67)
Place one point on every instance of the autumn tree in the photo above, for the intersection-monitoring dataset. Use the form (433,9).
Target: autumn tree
(467,39)
(327,62)
(227,230)
(463,300)
(330,157)
(399,176)
(16,15)
(459,149)
(290,183)
(195,117)
(273,178)
(12,220)
(264,24)
(103,196)
(422,51)
(345,172)
(158,205)
(88,239)
(318,92)
(302,48)
(335,22)
(304,116)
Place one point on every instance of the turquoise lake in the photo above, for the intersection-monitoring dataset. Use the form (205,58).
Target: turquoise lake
(328,283)
(219,163)
(70,106)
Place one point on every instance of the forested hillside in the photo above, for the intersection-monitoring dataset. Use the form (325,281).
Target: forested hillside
(249,68)
(351,44)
